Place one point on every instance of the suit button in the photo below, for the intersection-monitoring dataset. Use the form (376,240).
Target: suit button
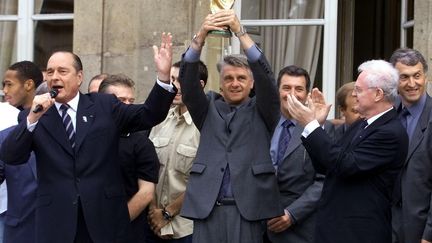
(222,169)
(77,180)
(229,150)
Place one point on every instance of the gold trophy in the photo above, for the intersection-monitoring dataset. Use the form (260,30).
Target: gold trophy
(215,6)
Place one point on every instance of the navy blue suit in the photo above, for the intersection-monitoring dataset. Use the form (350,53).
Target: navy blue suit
(21,185)
(89,173)
(360,169)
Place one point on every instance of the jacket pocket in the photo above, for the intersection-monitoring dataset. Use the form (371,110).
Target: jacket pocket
(197,168)
(186,154)
(267,168)
(11,220)
(160,144)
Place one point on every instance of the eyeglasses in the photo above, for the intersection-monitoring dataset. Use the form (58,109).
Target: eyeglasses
(359,90)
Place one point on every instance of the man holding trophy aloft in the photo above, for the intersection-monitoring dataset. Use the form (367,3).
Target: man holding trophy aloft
(232,187)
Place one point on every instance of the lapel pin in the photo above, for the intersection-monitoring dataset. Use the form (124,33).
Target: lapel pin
(84,118)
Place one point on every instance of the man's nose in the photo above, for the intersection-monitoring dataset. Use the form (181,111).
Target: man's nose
(411,81)
(235,82)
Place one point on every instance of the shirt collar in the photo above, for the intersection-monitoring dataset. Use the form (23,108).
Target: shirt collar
(283,118)
(374,118)
(417,108)
(73,104)
(175,112)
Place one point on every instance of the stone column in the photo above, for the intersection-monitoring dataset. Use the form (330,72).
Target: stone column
(423,32)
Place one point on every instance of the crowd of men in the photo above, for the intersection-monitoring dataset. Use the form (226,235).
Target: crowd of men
(190,166)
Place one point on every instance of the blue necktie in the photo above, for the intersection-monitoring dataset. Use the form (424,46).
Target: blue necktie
(67,123)
(403,117)
(284,139)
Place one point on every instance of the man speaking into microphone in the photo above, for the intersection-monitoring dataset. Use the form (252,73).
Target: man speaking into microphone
(75,138)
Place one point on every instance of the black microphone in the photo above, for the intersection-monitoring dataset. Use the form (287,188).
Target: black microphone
(53,93)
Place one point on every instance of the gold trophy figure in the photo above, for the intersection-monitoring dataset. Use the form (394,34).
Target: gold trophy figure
(215,6)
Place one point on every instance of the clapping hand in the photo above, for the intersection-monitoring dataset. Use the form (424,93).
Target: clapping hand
(316,108)
(321,108)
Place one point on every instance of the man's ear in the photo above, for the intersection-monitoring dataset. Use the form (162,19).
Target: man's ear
(380,94)
(202,83)
(29,84)
(80,77)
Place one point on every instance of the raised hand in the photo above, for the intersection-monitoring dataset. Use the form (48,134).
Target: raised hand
(163,57)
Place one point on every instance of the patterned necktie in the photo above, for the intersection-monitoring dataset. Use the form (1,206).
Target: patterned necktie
(284,139)
(67,123)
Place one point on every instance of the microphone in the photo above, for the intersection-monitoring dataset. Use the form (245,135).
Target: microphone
(53,93)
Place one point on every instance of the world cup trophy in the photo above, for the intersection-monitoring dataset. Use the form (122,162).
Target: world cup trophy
(215,6)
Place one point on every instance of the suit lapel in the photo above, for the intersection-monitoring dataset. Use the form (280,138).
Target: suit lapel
(84,119)
(53,124)
(422,124)
(294,142)
(32,165)
(372,127)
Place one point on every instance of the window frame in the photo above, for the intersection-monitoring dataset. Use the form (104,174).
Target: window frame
(405,23)
(26,19)
(329,23)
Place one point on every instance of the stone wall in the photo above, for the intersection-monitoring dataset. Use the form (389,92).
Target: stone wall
(117,36)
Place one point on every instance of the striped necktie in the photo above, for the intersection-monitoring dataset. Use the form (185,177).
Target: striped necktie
(285,137)
(67,123)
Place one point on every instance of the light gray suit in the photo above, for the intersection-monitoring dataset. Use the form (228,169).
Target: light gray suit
(412,215)
(300,189)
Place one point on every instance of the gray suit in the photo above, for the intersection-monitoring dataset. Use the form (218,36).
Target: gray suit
(412,215)
(300,189)
(240,139)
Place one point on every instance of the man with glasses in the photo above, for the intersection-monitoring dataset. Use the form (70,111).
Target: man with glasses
(360,168)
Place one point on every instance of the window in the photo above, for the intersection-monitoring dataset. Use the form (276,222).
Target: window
(407,23)
(32,29)
(295,32)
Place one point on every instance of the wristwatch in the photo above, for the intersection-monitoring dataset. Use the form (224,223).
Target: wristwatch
(166,215)
(242,31)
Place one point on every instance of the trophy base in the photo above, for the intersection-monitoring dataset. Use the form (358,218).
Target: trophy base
(220,33)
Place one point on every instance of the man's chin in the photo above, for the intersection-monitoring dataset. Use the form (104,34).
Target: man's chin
(176,102)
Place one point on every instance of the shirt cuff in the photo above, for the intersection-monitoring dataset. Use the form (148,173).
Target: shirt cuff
(165,86)
(293,220)
(31,127)
(253,53)
(310,127)
(192,55)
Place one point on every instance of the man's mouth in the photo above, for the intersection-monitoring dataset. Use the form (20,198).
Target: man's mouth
(57,87)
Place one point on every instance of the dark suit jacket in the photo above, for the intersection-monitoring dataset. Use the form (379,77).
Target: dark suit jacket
(412,212)
(21,193)
(90,172)
(241,140)
(355,204)
(300,189)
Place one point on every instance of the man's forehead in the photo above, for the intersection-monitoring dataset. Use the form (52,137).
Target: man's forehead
(60,60)
(402,67)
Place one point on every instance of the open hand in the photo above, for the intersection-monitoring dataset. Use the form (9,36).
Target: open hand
(163,57)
